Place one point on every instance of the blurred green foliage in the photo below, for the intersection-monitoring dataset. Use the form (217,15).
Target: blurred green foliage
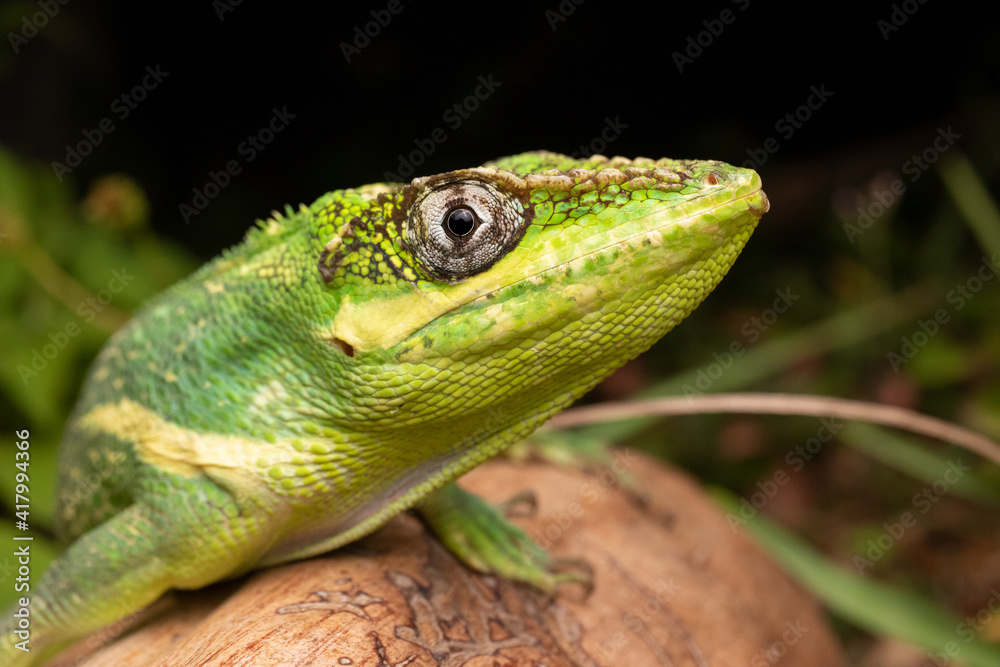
(65,285)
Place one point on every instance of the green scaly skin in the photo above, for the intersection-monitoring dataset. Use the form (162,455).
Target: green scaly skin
(351,359)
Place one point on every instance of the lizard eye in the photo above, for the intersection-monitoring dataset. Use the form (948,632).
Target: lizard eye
(464,227)
(460,221)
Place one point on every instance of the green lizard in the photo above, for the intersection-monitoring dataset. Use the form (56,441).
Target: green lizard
(351,359)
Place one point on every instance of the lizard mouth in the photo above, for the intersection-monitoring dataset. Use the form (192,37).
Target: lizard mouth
(763,207)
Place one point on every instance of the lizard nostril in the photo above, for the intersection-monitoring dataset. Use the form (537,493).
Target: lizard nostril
(710,179)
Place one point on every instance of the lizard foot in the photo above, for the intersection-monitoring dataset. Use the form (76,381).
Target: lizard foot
(479,535)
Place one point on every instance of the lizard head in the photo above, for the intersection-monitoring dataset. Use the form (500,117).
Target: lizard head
(535,274)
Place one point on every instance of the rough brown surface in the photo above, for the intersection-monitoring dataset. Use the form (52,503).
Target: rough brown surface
(674,585)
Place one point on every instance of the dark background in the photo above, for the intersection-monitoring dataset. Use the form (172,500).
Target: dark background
(563,74)
(560,79)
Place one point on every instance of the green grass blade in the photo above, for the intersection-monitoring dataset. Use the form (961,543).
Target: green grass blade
(919,461)
(876,607)
(973,201)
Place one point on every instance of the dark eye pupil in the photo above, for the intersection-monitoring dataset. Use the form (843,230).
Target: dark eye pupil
(460,221)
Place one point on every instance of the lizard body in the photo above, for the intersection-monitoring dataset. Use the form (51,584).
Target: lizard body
(350,359)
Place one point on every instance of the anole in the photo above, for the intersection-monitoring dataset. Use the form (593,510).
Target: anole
(350,359)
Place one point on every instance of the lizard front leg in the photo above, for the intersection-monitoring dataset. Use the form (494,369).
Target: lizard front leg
(483,539)
(126,563)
